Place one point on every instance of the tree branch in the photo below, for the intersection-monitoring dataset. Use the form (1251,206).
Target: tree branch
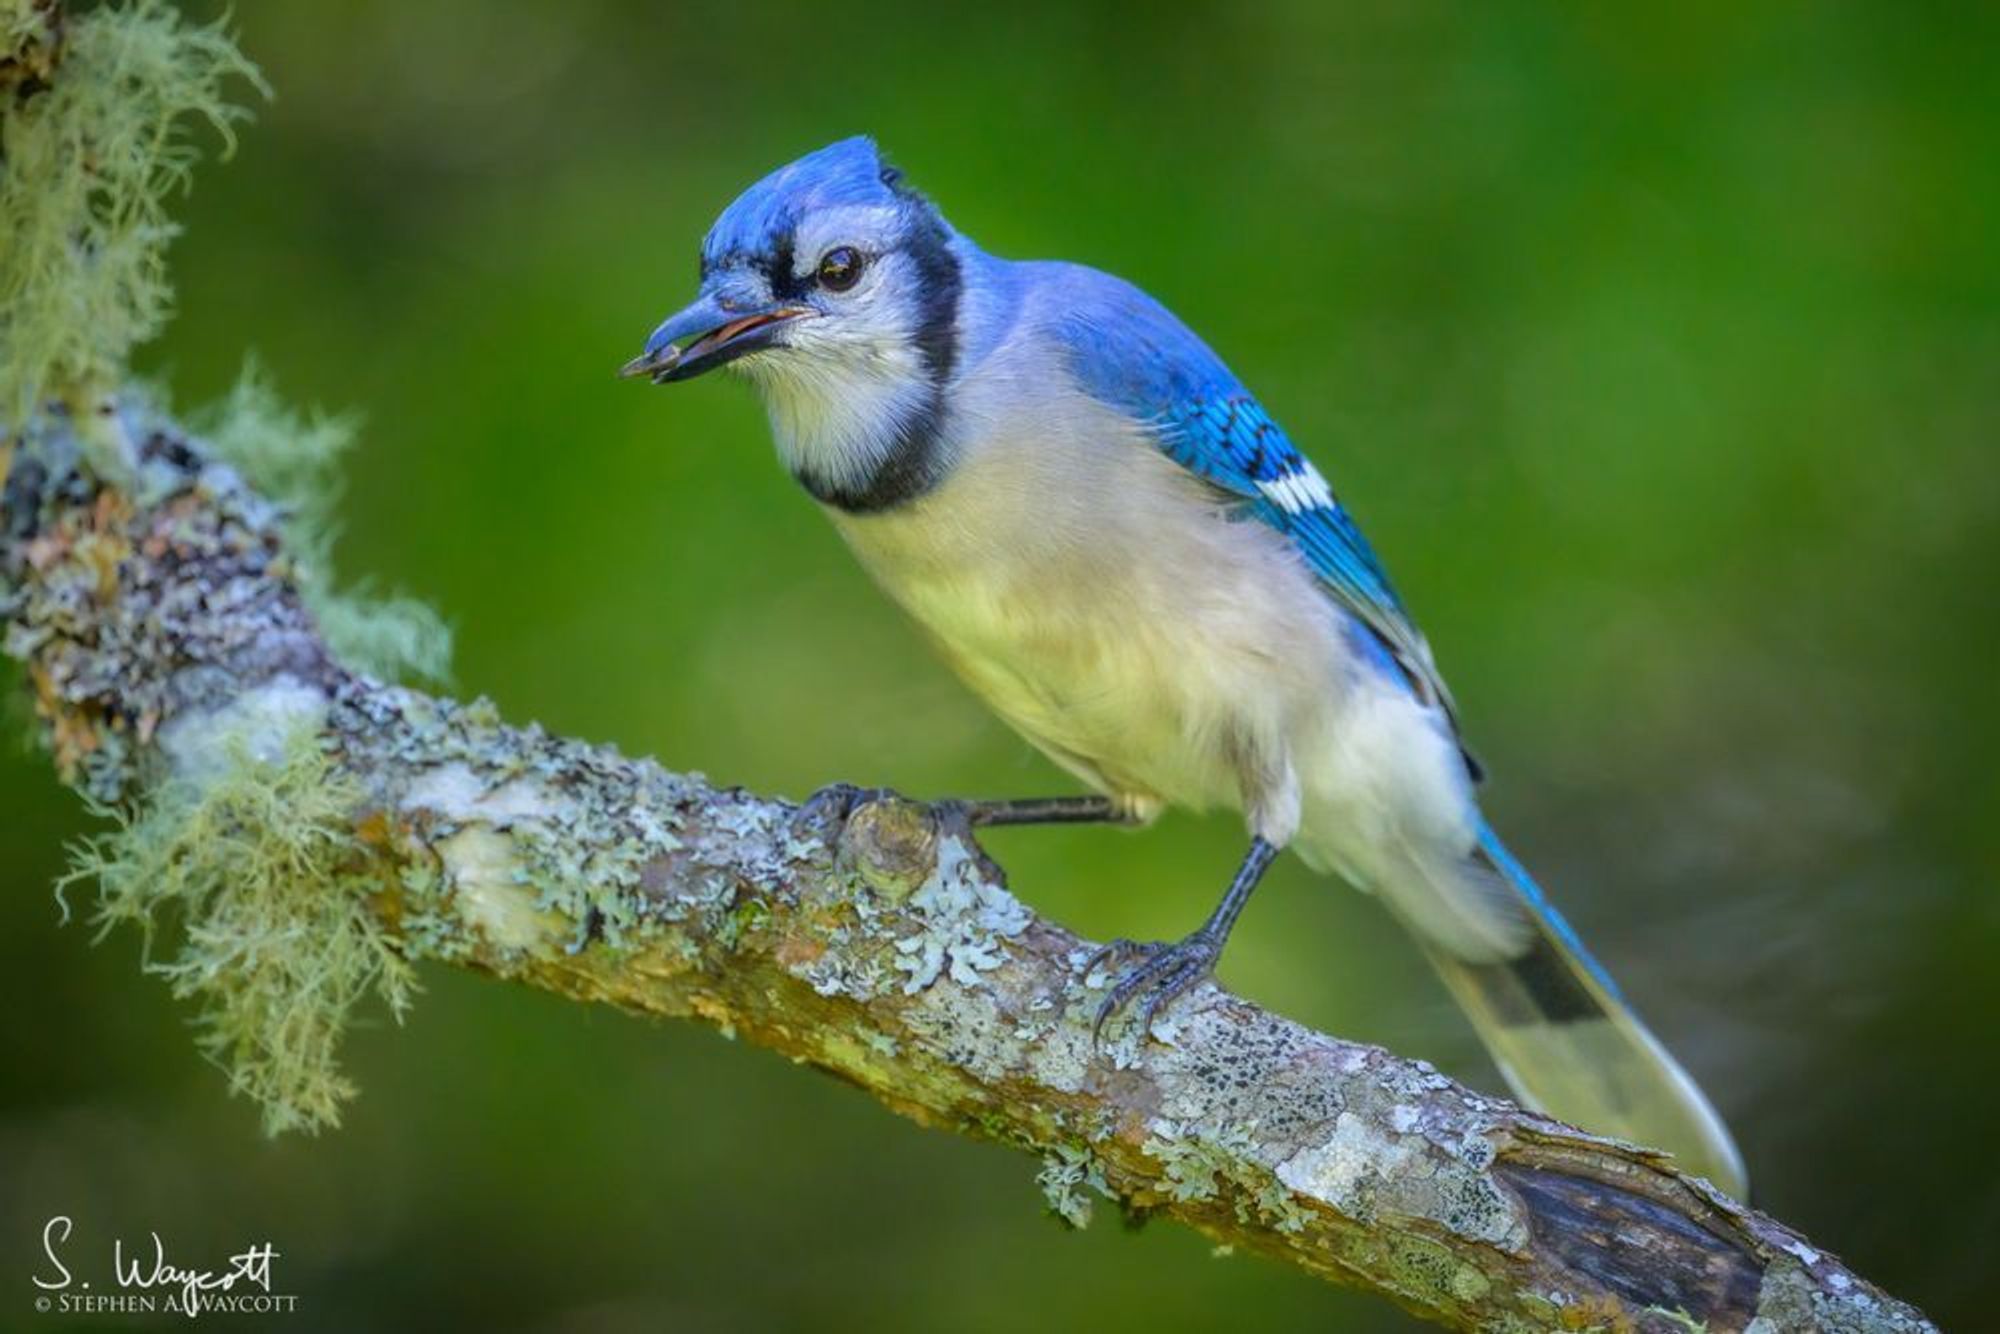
(878,944)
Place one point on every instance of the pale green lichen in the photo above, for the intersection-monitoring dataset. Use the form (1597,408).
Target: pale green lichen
(1420,1266)
(1789,1298)
(1189,1168)
(1275,1205)
(256,873)
(1224,1165)
(741,920)
(23,22)
(965,918)
(86,165)
(429,929)
(588,864)
(1364,1171)
(531,860)
(1067,1169)
(292,459)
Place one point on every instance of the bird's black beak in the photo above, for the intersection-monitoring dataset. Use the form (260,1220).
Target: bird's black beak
(719,337)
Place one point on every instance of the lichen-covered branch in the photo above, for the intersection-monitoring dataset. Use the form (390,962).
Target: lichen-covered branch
(317,831)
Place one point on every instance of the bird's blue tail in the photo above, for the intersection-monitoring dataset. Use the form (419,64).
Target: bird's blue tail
(1569,1044)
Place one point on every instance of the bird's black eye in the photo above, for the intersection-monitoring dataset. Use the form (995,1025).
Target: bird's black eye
(840,268)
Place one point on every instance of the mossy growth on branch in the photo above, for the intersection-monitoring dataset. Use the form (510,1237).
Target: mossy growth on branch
(293,460)
(255,873)
(250,865)
(96,113)
(91,145)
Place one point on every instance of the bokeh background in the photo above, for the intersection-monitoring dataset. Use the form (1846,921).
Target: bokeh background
(1656,347)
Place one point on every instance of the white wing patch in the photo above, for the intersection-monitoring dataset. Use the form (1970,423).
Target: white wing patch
(1298,491)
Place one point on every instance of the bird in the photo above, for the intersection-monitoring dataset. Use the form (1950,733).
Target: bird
(1122,553)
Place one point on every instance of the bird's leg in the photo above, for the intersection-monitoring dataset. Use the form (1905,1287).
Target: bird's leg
(1166,969)
(835,802)
(1091,809)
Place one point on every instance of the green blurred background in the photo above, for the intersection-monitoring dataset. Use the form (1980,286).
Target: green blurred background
(1656,350)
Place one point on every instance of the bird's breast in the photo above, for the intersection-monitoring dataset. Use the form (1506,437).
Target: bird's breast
(1098,597)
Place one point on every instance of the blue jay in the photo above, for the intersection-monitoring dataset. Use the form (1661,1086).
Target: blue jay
(1121,552)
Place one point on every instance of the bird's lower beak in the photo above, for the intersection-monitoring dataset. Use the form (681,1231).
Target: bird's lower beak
(719,336)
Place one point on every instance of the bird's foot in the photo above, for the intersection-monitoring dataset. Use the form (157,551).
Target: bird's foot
(829,814)
(835,804)
(829,808)
(1154,973)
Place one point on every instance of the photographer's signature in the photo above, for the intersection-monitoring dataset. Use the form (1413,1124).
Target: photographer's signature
(148,1282)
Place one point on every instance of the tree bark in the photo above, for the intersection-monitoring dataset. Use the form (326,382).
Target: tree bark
(871,939)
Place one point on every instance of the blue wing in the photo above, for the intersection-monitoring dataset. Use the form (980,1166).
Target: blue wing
(1130,352)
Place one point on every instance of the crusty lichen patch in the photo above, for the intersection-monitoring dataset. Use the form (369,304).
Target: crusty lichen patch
(485,881)
(539,845)
(252,871)
(1790,1299)
(293,459)
(1365,1172)
(1223,1164)
(126,607)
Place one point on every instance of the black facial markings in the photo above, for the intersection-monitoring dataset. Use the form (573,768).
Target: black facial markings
(909,468)
(913,463)
(777,268)
(939,287)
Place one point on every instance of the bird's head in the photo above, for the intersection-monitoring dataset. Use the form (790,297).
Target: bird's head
(834,287)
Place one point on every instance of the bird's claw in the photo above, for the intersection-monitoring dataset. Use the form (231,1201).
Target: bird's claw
(953,815)
(1164,971)
(829,808)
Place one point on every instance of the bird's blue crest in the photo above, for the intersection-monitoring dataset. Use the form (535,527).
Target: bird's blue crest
(849,172)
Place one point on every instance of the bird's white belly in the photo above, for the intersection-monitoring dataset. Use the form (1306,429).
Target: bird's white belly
(1119,621)
(1119,692)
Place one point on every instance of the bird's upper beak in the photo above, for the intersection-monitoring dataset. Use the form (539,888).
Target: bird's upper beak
(720,336)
